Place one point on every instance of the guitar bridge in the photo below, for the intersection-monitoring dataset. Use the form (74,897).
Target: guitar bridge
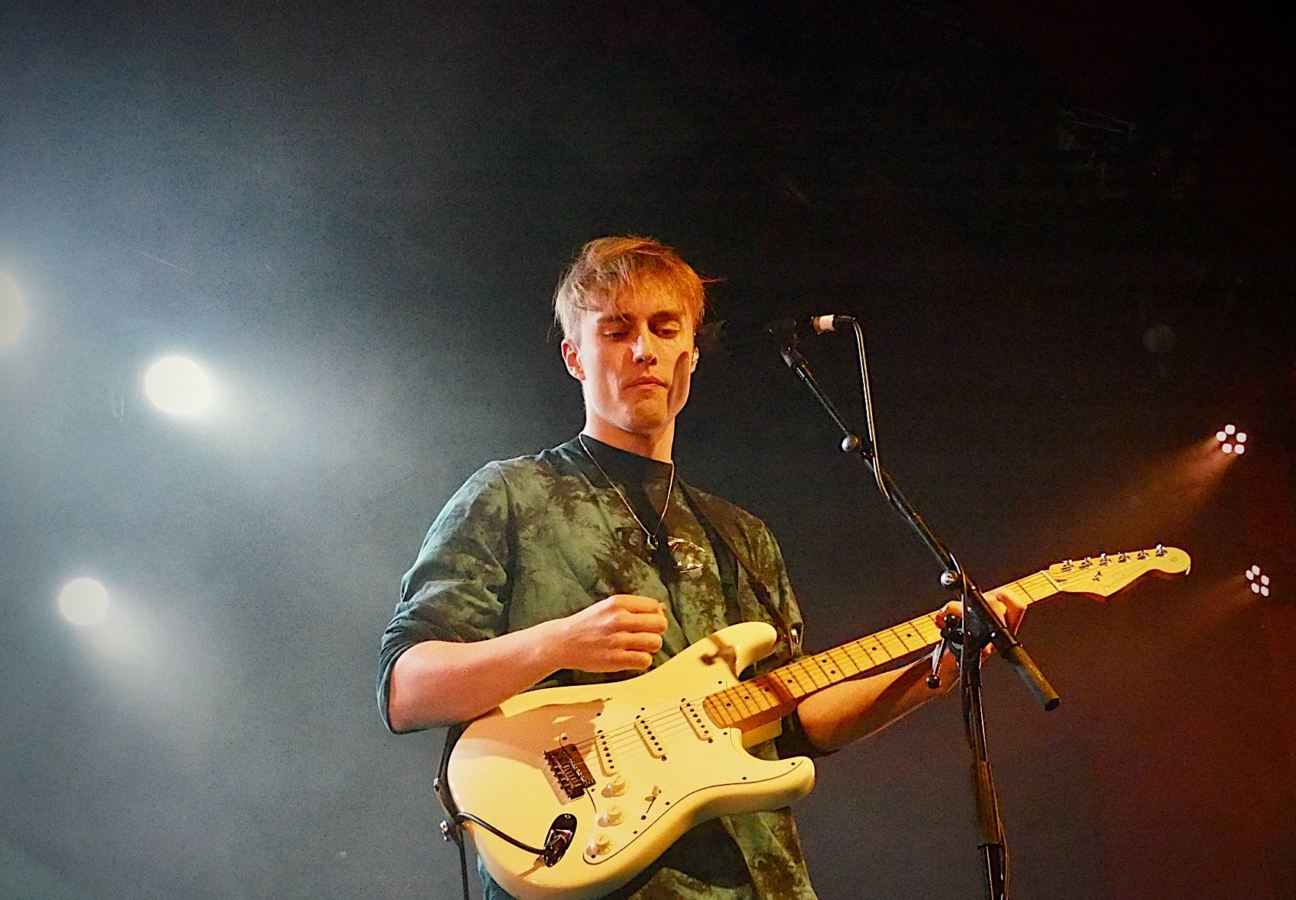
(569,769)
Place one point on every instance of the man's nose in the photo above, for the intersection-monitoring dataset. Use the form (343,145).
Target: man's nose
(645,347)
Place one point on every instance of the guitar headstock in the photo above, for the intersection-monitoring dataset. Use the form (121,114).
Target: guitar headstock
(1100,577)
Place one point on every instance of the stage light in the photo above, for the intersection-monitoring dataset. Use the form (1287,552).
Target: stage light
(13,314)
(83,601)
(1231,440)
(1259,581)
(177,385)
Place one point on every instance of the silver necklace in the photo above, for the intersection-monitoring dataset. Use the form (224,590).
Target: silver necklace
(650,537)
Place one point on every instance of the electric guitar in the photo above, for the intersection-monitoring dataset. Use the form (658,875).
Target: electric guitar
(604,778)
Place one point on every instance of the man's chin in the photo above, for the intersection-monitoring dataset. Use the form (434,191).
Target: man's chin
(646,421)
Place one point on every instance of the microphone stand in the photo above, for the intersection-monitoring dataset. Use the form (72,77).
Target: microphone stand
(981,626)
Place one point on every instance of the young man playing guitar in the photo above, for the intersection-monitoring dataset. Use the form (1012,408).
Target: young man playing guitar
(595,561)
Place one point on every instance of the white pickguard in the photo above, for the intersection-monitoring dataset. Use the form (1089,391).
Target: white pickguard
(653,778)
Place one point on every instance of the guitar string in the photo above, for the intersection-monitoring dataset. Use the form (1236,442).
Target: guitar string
(659,720)
(669,719)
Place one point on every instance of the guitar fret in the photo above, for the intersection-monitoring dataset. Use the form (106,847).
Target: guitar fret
(818,672)
(768,689)
(842,663)
(736,694)
(891,644)
(799,679)
(873,650)
(908,637)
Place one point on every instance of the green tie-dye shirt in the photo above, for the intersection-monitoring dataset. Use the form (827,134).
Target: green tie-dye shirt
(537,538)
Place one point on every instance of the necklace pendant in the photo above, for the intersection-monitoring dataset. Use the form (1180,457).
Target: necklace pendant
(652,542)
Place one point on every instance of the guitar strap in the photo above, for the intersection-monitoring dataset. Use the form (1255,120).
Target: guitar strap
(451,828)
(723,541)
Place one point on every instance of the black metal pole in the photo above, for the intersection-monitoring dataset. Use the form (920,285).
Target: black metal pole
(982,627)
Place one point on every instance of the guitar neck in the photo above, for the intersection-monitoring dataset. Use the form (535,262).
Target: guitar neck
(775,694)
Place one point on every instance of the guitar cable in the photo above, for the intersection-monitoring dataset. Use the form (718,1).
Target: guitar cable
(561,831)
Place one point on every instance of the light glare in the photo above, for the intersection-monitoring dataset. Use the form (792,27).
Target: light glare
(177,385)
(83,601)
(13,313)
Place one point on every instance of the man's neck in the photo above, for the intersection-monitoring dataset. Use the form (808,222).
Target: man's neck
(657,445)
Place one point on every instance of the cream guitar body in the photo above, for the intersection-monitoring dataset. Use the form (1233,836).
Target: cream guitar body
(658,763)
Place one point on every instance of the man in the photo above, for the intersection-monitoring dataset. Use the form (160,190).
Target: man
(594,560)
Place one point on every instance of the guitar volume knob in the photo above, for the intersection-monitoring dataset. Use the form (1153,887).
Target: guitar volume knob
(615,787)
(611,816)
(599,845)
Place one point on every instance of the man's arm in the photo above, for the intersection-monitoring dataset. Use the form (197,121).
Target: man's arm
(846,712)
(443,682)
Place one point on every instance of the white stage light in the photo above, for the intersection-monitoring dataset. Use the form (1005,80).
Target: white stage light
(13,314)
(1231,440)
(177,385)
(1259,581)
(83,601)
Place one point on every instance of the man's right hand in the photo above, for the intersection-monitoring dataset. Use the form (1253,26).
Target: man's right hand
(440,682)
(614,635)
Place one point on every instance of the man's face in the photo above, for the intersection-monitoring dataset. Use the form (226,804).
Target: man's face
(634,360)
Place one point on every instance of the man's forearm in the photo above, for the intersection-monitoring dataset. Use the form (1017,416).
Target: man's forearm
(443,682)
(846,712)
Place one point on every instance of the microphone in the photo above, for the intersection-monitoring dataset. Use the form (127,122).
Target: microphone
(736,335)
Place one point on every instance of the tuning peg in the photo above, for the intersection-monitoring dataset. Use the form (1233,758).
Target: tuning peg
(1160,550)
(1102,559)
(1086,563)
(1142,554)
(1124,557)
(1067,565)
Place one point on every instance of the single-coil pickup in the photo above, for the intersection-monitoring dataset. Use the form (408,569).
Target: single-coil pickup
(697,719)
(650,740)
(569,770)
(604,748)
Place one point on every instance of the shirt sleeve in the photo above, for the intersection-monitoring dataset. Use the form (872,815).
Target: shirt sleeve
(457,589)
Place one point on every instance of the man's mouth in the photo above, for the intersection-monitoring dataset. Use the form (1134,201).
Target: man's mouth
(647,381)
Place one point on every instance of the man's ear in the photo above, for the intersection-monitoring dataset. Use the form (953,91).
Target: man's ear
(693,367)
(571,358)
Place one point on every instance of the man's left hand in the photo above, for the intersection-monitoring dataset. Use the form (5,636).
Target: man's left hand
(1004,603)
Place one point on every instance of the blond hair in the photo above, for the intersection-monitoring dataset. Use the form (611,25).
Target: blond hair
(609,268)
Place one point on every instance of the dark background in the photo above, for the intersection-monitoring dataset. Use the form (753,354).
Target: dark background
(1068,232)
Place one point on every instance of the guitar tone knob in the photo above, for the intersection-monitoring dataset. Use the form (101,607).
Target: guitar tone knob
(615,787)
(599,845)
(612,816)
